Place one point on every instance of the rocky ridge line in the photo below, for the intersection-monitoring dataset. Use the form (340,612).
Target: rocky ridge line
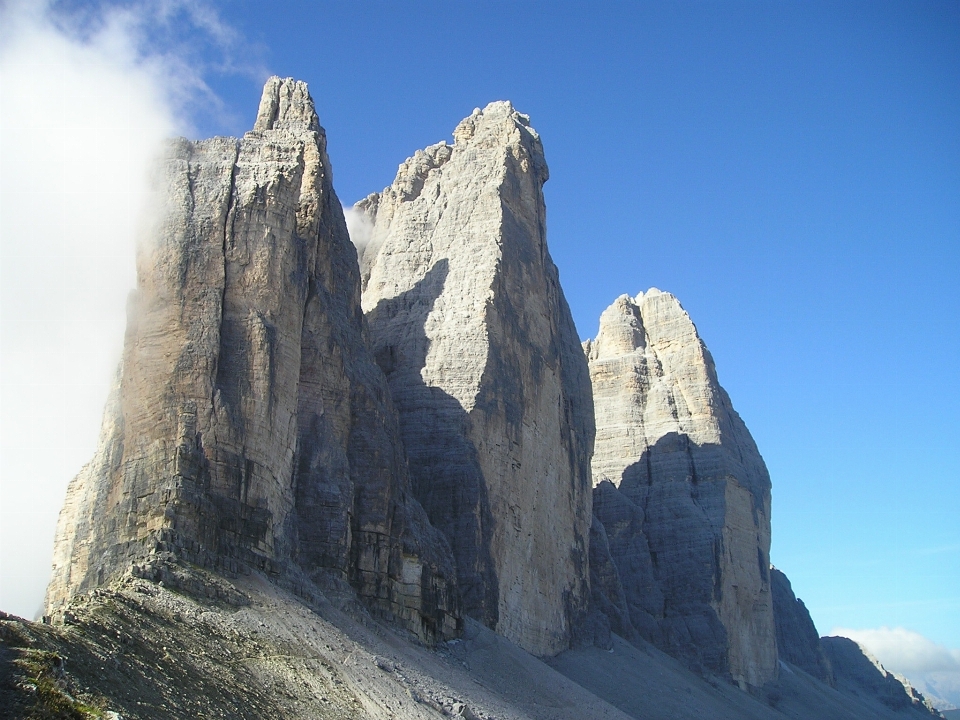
(253,432)
(798,641)
(858,672)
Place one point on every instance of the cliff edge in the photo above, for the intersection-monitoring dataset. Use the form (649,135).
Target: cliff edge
(249,426)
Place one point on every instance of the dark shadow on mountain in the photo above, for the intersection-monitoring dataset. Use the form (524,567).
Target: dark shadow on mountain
(859,675)
(798,641)
(444,466)
(663,526)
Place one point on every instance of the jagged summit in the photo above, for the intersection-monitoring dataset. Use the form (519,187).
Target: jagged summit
(469,324)
(484,140)
(499,124)
(681,492)
(621,329)
(250,426)
(286,104)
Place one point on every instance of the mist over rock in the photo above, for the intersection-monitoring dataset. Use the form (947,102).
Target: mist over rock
(681,491)
(250,426)
(322,454)
(859,673)
(469,323)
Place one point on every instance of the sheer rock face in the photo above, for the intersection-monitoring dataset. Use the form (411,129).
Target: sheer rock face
(470,325)
(250,424)
(681,491)
(798,642)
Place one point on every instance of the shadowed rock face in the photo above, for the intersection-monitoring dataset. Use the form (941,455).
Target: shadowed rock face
(797,639)
(681,491)
(859,673)
(249,424)
(252,425)
(470,325)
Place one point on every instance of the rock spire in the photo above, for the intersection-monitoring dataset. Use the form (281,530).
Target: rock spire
(682,493)
(470,325)
(250,425)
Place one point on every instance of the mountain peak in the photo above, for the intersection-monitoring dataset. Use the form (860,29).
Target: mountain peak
(286,104)
(499,125)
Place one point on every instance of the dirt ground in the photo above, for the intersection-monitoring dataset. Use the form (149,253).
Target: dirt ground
(137,650)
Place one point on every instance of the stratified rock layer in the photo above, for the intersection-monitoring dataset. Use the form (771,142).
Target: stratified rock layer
(470,325)
(250,424)
(681,491)
(798,641)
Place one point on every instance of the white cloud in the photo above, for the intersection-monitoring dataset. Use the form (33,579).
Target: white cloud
(932,668)
(177,44)
(904,651)
(359,226)
(86,101)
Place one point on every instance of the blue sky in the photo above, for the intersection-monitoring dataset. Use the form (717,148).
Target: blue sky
(791,171)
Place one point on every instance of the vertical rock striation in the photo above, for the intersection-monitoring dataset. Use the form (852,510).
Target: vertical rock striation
(469,323)
(249,424)
(798,642)
(682,492)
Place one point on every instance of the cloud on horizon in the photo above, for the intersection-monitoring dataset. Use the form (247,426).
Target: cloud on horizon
(89,95)
(904,651)
(932,668)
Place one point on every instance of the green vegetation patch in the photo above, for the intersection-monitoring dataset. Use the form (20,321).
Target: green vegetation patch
(33,681)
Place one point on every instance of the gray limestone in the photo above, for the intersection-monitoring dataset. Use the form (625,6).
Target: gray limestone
(414,415)
(250,425)
(469,323)
(858,673)
(682,492)
(798,641)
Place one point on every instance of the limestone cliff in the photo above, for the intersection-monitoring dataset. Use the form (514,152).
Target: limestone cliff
(250,425)
(682,492)
(414,416)
(470,325)
(798,641)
